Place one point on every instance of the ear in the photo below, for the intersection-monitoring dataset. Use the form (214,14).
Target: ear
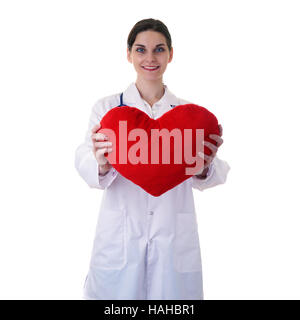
(129,56)
(171,55)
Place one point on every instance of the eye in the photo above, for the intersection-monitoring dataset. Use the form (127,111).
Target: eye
(156,49)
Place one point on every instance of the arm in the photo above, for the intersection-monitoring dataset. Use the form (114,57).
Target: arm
(85,161)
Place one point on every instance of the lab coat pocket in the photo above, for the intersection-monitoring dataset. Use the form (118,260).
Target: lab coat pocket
(187,249)
(109,247)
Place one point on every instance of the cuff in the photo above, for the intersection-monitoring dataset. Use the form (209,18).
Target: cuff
(209,173)
(108,178)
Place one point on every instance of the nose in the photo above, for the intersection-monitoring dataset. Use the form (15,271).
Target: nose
(150,57)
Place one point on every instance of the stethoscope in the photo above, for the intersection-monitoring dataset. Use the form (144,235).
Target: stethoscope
(122,104)
(121,101)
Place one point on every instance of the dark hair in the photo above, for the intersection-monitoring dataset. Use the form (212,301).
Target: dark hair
(149,24)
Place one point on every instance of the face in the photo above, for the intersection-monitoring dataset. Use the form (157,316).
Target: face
(150,50)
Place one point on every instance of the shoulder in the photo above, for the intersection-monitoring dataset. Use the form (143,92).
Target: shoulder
(104,104)
(184,101)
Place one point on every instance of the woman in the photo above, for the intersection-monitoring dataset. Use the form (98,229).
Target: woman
(145,247)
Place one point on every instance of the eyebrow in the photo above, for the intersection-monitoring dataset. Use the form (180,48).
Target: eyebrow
(141,45)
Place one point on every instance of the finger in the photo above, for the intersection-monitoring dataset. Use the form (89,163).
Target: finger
(221,130)
(207,158)
(103,144)
(96,128)
(217,138)
(99,137)
(101,159)
(211,146)
(102,150)
(220,142)
(97,146)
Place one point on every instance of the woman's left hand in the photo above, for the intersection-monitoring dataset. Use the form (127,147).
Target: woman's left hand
(213,148)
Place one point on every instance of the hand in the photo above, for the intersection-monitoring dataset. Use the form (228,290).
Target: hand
(213,148)
(101,145)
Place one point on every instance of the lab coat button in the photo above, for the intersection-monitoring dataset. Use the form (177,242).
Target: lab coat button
(151,212)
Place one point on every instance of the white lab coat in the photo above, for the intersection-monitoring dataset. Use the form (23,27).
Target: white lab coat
(145,247)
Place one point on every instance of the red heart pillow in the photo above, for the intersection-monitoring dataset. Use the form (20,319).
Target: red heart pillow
(140,155)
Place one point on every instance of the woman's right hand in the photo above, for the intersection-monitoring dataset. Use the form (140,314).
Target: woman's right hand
(101,145)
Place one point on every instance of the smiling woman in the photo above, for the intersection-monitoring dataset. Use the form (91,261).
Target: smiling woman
(150,56)
(146,247)
(150,50)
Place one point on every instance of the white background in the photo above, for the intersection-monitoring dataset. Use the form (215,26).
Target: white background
(239,59)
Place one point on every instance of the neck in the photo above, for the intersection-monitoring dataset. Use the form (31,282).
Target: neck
(151,91)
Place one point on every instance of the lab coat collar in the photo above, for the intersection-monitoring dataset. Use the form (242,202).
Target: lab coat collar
(132,98)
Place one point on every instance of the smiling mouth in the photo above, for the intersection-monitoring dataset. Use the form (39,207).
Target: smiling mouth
(150,68)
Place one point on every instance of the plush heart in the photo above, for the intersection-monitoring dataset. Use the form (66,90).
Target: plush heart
(130,129)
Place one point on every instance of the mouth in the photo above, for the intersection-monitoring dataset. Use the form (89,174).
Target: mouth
(151,68)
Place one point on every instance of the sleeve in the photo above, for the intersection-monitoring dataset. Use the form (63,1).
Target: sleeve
(217,174)
(85,161)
